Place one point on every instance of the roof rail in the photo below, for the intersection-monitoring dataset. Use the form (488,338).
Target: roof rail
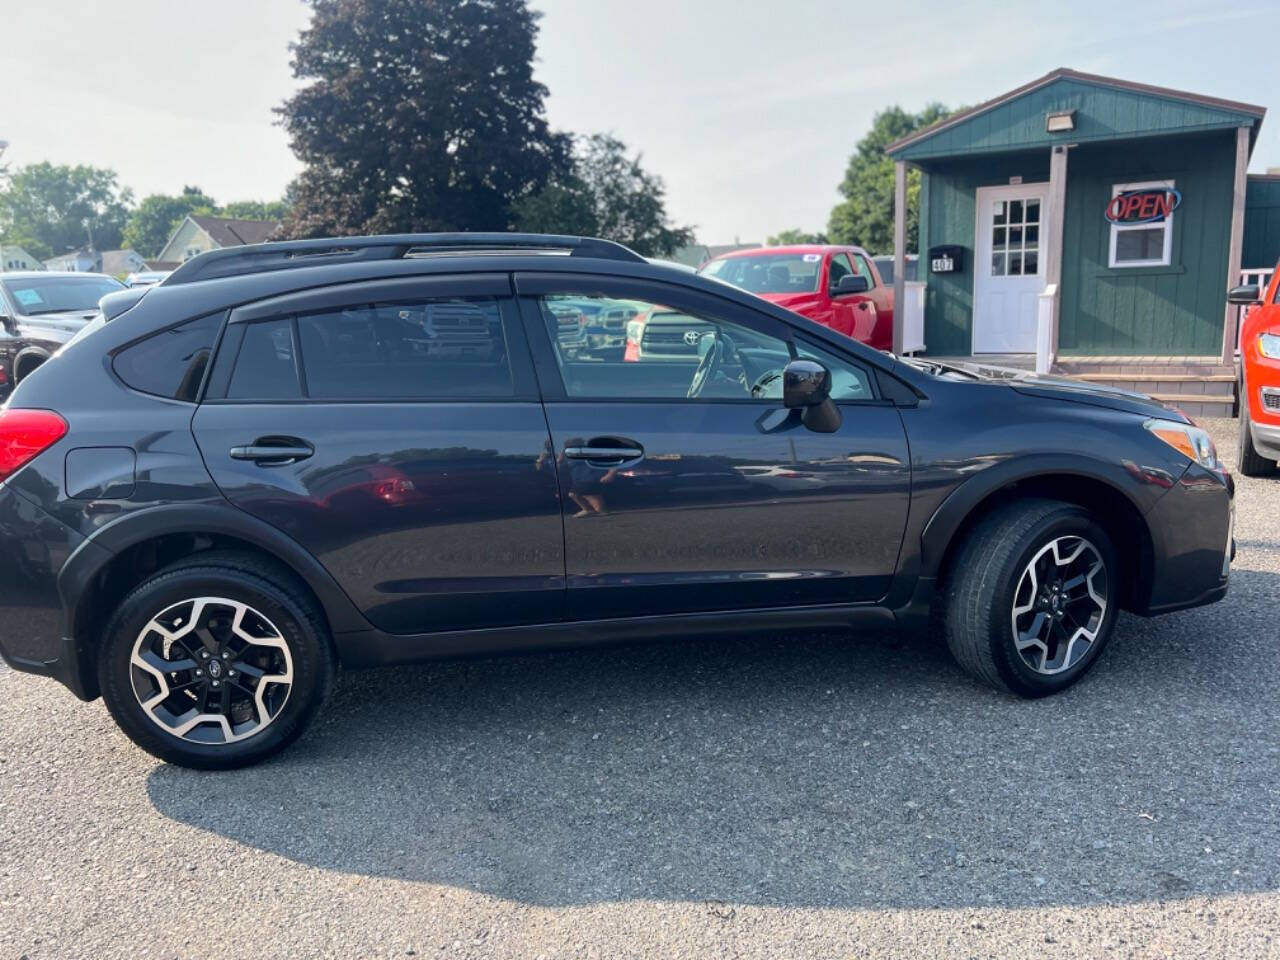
(285,255)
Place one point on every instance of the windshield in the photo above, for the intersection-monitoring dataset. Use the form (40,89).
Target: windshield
(54,294)
(769,273)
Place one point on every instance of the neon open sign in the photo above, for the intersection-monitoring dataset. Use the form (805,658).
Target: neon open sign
(1143,206)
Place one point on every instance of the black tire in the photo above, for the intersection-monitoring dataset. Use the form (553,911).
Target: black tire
(272,591)
(1250,462)
(984,579)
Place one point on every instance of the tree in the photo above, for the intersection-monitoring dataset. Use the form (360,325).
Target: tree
(791,237)
(606,194)
(256,209)
(53,209)
(417,115)
(865,217)
(158,215)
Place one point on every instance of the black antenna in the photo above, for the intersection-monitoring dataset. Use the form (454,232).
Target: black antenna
(290,254)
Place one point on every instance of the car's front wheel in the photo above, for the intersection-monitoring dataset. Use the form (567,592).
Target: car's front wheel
(1031,597)
(216,662)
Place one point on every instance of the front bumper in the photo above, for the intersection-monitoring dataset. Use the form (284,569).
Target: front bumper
(1193,539)
(1266,439)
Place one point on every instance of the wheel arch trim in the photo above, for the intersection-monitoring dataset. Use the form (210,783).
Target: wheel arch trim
(939,531)
(96,552)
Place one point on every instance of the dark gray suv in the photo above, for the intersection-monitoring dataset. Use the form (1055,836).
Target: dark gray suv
(294,456)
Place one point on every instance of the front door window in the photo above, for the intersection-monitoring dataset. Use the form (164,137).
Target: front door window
(1015,237)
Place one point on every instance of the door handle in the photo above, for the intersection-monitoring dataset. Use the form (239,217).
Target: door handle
(604,454)
(273,451)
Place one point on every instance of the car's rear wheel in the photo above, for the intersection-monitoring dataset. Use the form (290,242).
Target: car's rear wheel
(1252,463)
(216,662)
(1031,599)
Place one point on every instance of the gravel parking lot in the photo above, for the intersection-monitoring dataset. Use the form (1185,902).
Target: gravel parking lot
(785,797)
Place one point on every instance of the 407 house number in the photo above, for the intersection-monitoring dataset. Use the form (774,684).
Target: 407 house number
(943,264)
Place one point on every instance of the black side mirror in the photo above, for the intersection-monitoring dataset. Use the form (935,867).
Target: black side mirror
(850,283)
(1244,295)
(806,386)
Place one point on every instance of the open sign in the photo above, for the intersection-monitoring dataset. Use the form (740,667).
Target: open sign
(1143,206)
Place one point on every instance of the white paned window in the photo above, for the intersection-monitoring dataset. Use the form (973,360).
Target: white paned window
(1148,242)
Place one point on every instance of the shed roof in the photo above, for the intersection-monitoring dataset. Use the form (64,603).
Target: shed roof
(1106,109)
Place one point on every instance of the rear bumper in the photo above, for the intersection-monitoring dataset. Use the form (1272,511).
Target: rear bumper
(33,549)
(1192,532)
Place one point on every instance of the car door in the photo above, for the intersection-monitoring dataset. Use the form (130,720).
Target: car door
(722,499)
(878,319)
(394,430)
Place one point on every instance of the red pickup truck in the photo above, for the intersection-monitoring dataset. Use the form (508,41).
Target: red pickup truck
(837,286)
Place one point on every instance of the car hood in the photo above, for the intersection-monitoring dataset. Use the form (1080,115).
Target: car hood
(1065,388)
(55,327)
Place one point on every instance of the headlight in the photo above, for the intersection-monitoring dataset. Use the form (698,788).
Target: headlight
(1189,440)
(1269,345)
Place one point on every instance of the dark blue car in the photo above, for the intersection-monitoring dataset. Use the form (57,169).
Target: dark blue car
(294,456)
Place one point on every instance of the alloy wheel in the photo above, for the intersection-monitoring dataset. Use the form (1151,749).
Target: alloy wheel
(1060,605)
(211,670)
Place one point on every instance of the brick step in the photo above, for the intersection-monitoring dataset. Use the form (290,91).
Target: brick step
(1129,370)
(1218,385)
(1126,359)
(1198,405)
(1209,398)
(1162,377)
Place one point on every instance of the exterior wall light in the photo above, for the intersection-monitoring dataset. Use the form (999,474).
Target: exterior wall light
(1062,122)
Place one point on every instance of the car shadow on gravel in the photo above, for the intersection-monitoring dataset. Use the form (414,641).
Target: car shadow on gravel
(790,771)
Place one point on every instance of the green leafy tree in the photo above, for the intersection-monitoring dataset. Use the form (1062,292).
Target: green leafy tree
(417,115)
(865,216)
(256,209)
(53,209)
(158,215)
(791,237)
(609,194)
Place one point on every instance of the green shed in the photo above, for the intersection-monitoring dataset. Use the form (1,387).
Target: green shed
(1089,225)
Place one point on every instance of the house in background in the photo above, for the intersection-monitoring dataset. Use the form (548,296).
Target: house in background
(198,233)
(115,263)
(119,263)
(83,260)
(13,257)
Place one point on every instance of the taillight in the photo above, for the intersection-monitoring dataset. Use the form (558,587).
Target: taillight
(24,434)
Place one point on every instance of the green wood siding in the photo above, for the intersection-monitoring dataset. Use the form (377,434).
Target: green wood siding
(947,195)
(1102,113)
(1170,311)
(1261,222)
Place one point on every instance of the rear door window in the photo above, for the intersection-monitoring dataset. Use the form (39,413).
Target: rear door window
(447,348)
(266,367)
(425,349)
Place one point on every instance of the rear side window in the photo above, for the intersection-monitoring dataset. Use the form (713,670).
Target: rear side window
(265,367)
(440,349)
(170,363)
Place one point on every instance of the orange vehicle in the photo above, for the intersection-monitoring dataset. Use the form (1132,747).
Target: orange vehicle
(1259,376)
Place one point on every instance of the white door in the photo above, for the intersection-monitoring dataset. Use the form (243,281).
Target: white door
(1008,268)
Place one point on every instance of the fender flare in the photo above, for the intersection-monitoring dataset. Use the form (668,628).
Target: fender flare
(940,529)
(104,545)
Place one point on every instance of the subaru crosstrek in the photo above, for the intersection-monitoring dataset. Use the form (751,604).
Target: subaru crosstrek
(292,457)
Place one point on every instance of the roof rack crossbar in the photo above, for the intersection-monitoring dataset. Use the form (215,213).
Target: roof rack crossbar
(288,254)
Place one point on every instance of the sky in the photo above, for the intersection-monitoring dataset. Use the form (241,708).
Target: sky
(748,109)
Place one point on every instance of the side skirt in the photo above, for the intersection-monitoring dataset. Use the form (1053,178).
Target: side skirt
(370,648)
